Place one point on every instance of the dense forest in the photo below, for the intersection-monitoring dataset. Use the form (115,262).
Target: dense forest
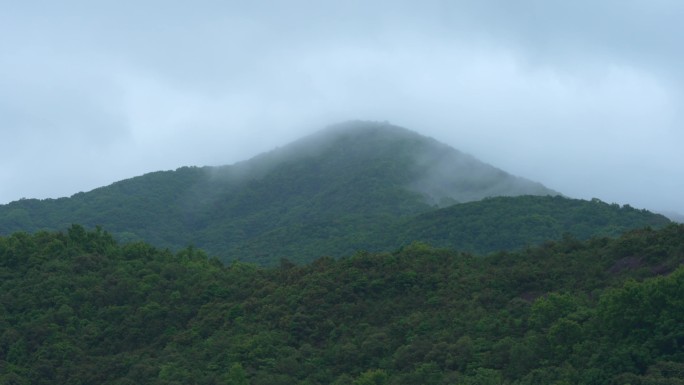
(363,254)
(330,193)
(492,224)
(506,223)
(77,307)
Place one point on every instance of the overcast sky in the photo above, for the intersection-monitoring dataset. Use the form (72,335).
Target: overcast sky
(584,96)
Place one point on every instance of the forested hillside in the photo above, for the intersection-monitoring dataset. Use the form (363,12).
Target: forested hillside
(359,186)
(328,193)
(78,308)
(506,223)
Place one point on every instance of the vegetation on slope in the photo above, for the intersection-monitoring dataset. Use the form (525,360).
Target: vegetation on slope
(332,193)
(301,226)
(507,223)
(77,308)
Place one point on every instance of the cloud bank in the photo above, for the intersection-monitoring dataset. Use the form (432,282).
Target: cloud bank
(582,96)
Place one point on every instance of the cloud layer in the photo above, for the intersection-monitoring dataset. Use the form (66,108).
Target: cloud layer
(582,96)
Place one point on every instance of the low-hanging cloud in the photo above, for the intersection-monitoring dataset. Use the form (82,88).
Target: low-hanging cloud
(581,96)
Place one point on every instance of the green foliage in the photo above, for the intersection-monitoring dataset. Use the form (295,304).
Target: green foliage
(506,223)
(76,307)
(372,377)
(337,222)
(359,187)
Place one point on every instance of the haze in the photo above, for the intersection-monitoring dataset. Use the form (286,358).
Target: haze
(583,96)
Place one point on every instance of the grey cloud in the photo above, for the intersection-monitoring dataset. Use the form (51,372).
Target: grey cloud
(582,96)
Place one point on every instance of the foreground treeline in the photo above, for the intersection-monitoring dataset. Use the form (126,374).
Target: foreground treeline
(77,308)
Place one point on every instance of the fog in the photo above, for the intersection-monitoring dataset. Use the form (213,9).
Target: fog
(582,97)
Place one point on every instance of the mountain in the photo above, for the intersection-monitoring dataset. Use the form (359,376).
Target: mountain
(78,308)
(348,187)
(508,223)
(439,173)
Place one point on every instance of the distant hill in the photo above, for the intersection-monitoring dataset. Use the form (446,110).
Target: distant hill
(508,223)
(349,187)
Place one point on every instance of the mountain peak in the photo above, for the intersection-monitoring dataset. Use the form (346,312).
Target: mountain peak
(332,192)
(440,173)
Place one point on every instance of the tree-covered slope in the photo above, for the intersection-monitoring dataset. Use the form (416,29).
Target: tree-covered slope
(356,186)
(77,308)
(492,224)
(151,207)
(326,193)
(506,223)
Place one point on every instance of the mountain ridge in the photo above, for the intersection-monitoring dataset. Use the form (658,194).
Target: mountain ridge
(440,171)
(341,189)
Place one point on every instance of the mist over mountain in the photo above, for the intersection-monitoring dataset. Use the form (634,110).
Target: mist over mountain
(674,217)
(348,187)
(440,173)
